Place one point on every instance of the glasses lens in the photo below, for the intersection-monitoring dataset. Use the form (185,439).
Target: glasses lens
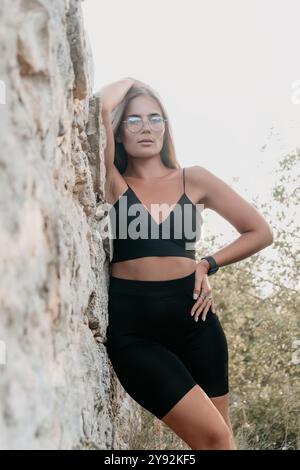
(156,123)
(135,123)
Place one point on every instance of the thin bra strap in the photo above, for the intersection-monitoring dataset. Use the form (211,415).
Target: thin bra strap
(183,180)
(126,183)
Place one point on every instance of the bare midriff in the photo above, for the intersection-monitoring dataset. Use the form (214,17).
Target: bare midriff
(153,268)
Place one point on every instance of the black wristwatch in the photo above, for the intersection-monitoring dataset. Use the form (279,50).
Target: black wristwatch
(213,265)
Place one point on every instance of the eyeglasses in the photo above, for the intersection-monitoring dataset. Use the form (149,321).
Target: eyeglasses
(135,123)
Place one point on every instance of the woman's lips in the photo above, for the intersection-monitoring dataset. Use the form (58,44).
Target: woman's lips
(146,143)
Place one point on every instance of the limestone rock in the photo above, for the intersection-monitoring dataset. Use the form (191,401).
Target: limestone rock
(57,386)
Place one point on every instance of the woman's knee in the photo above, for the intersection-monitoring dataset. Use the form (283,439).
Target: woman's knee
(218,438)
(198,422)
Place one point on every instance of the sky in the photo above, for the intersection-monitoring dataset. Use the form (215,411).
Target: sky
(228,73)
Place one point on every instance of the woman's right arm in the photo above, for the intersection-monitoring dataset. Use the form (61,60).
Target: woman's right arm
(111,96)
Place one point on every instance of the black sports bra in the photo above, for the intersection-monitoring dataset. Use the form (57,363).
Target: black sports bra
(137,236)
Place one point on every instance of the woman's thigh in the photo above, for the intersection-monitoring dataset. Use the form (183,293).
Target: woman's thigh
(205,354)
(150,373)
(201,346)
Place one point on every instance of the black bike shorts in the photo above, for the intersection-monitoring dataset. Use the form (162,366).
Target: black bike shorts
(156,348)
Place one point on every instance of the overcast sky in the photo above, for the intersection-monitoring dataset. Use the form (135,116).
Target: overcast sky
(225,71)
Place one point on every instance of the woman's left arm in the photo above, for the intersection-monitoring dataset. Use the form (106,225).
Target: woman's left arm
(256,233)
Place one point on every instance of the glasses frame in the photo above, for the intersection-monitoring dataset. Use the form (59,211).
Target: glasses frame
(143,123)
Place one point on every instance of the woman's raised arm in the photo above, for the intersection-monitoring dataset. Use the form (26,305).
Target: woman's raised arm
(111,95)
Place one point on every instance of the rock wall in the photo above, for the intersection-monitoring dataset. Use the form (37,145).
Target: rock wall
(57,386)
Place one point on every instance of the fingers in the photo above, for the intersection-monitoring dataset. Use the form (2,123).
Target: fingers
(203,316)
(197,287)
(203,295)
(199,307)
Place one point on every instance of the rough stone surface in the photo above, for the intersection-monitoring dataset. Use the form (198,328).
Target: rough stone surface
(57,386)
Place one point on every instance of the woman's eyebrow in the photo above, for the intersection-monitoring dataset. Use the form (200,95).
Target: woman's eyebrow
(151,114)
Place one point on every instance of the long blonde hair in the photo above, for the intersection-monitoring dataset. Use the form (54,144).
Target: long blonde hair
(167,153)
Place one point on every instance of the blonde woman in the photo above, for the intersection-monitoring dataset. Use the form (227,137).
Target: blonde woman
(164,338)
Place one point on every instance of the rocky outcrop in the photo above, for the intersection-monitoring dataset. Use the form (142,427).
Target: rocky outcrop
(57,386)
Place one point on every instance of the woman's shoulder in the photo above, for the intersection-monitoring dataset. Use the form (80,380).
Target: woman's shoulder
(196,172)
(195,177)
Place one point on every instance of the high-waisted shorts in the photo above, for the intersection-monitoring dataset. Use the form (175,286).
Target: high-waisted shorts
(157,350)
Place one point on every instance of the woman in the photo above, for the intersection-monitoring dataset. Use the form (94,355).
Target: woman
(171,364)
